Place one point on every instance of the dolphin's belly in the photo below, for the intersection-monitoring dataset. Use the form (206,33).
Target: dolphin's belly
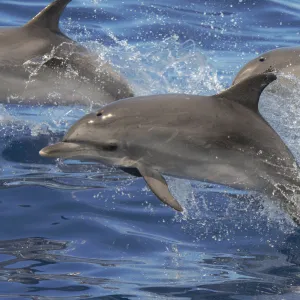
(255,176)
(50,89)
(232,173)
(246,169)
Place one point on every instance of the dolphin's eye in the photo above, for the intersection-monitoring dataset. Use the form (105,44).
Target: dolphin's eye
(100,113)
(262,59)
(110,147)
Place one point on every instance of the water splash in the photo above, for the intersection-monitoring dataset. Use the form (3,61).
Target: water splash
(279,105)
(212,212)
(162,67)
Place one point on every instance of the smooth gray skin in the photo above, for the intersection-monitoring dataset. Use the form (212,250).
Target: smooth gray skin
(219,139)
(39,64)
(283,60)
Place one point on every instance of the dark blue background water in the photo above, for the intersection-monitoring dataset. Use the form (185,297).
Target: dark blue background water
(82,231)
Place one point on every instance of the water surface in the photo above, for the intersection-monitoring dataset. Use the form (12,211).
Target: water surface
(82,231)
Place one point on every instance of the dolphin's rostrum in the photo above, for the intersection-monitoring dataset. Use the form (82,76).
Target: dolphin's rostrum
(218,139)
(41,65)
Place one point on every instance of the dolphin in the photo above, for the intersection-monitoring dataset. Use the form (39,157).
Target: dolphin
(218,139)
(41,65)
(282,60)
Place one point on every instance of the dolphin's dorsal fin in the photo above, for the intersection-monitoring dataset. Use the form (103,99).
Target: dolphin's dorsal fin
(49,16)
(158,186)
(248,91)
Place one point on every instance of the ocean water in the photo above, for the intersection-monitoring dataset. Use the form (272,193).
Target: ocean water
(85,231)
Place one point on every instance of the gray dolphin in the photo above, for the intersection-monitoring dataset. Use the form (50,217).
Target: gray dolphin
(39,64)
(284,60)
(218,139)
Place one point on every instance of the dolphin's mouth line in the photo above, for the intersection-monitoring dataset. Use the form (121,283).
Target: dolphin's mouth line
(79,151)
(63,150)
(68,150)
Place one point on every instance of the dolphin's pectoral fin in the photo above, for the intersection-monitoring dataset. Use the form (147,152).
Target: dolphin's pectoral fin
(248,91)
(49,16)
(132,171)
(158,186)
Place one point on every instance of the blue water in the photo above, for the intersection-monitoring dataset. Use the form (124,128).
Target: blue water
(84,231)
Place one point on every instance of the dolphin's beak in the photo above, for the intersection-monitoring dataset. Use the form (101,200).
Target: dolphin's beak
(61,150)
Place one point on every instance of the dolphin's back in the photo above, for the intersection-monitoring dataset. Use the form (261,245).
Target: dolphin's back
(283,60)
(34,38)
(17,45)
(217,140)
(38,60)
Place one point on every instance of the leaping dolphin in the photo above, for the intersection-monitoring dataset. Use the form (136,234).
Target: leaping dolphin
(218,139)
(283,60)
(40,64)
